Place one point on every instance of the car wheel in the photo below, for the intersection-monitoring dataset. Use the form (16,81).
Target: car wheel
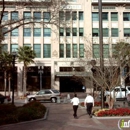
(32,99)
(53,100)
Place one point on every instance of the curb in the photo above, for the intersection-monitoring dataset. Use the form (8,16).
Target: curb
(41,119)
(111,117)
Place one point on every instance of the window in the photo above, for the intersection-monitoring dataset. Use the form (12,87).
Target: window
(74,50)
(37,49)
(95,32)
(4,30)
(114,32)
(47,32)
(81,32)
(46,16)
(81,50)
(105,16)
(95,16)
(68,51)
(123,89)
(27,15)
(4,47)
(81,17)
(126,32)
(114,16)
(5,16)
(61,15)
(106,51)
(37,32)
(126,16)
(74,31)
(14,47)
(46,50)
(37,16)
(96,51)
(61,31)
(15,32)
(113,49)
(74,15)
(68,16)
(47,92)
(61,50)
(27,32)
(67,31)
(14,15)
(105,32)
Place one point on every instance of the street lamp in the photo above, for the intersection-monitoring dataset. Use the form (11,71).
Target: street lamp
(101,47)
(93,69)
(40,71)
(13,63)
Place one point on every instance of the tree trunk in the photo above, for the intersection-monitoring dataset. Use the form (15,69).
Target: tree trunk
(9,85)
(5,82)
(24,80)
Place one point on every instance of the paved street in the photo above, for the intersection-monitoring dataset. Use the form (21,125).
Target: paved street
(60,118)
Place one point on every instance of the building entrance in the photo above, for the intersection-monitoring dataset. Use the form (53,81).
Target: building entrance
(70,84)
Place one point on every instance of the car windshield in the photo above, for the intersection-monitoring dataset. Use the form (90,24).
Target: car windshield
(55,91)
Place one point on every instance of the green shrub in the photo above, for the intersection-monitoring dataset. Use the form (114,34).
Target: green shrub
(6,109)
(30,111)
(12,114)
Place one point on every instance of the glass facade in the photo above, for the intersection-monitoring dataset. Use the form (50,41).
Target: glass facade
(68,51)
(37,16)
(81,50)
(46,50)
(15,32)
(37,49)
(61,50)
(47,32)
(27,15)
(37,32)
(46,16)
(75,51)
(14,16)
(27,32)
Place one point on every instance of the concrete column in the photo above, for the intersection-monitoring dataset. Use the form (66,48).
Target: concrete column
(20,81)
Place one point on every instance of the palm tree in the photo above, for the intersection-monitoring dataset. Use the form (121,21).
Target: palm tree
(6,65)
(25,55)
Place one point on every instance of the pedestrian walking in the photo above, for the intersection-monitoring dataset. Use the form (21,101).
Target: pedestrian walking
(75,102)
(89,104)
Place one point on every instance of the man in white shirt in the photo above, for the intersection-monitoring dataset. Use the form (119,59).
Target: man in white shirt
(89,103)
(75,102)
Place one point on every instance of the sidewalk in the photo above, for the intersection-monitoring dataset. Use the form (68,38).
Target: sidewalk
(60,117)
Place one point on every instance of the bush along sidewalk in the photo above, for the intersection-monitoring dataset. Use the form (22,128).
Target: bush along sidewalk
(112,112)
(12,114)
(105,112)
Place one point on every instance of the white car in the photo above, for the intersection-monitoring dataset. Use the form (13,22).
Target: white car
(120,92)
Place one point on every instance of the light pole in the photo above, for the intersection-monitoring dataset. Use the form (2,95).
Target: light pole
(101,47)
(13,63)
(93,69)
(40,71)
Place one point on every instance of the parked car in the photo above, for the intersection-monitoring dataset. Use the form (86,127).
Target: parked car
(45,95)
(3,98)
(119,92)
